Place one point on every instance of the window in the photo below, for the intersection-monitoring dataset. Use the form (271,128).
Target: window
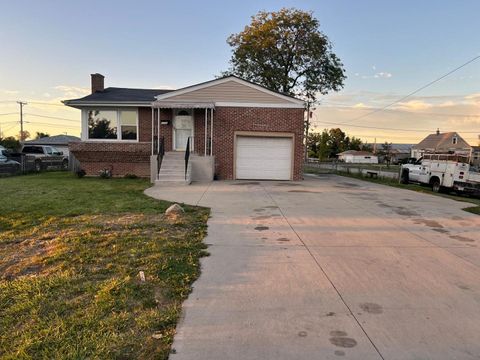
(454,140)
(183,113)
(112,124)
(128,124)
(48,150)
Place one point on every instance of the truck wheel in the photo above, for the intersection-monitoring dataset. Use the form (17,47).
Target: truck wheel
(38,166)
(404,177)
(65,164)
(436,185)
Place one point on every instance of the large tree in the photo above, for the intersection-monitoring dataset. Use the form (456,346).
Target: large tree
(285,51)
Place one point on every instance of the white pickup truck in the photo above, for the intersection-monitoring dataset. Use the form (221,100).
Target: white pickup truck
(443,172)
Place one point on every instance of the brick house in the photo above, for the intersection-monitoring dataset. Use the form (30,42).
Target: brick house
(233,129)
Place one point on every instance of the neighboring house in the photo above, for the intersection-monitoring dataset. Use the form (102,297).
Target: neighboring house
(450,143)
(58,141)
(236,130)
(358,157)
(476,155)
(398,152)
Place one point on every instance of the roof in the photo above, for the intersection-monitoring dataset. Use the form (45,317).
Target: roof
(138,97)
(116,95)
(441,141)
(54,140)
(356,153)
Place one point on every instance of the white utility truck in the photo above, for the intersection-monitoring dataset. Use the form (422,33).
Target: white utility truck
(443,172)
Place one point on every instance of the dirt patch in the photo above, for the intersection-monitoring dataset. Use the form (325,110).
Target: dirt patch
(405,212)
(461,238)
(344,342)
(261,228)
(304,191)
(429,223)
(371,308)
(463,287)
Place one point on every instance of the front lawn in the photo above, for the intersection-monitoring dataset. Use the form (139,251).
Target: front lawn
(70,255)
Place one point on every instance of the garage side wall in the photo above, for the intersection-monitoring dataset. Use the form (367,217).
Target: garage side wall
(228,120)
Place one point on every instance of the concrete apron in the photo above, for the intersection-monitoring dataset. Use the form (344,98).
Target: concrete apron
(331,268)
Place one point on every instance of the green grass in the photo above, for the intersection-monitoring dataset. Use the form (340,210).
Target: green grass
(475,209)
(70,255)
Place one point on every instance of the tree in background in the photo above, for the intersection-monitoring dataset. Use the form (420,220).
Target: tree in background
(286,52)
(39,135)
(10,142)
(328,143)
(23,135)
(386,153)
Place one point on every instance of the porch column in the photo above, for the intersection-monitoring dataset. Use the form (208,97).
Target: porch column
(158,131)
(153,124)
(211,131)
(205,144)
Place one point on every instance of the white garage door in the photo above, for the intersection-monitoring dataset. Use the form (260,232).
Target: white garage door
(263,158)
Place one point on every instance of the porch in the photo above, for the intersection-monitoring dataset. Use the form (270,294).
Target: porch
(182,142)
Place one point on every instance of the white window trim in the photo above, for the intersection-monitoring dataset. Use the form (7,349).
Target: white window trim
(118,125)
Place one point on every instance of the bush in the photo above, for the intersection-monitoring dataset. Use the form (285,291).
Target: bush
(130,176)
(80,173)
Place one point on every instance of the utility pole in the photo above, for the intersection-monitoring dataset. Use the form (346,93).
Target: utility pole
(22,135)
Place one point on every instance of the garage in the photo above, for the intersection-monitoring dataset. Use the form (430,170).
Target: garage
(263,158)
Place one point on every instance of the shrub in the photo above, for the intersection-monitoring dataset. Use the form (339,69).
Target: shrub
(130,176)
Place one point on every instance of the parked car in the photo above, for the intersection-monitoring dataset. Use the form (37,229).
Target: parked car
(45,157)
(8,166)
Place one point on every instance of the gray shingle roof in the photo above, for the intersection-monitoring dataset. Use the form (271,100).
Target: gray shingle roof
(54,140)
(442,141)
(115,94)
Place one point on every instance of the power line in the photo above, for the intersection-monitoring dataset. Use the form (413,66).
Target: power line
(53,117)
(398,110)
(50,124)
(415,91)
(14,113)
(47,103)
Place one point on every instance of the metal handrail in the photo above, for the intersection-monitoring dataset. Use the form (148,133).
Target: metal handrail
(187,156)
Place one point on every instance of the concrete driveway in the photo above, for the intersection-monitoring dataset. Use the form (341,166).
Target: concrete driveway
(331,268)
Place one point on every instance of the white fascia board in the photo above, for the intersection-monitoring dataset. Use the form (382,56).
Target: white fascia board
(258,105)
(223,80)
(82,104)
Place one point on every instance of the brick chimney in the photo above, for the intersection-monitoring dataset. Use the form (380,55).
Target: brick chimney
(97,82)
(438,130)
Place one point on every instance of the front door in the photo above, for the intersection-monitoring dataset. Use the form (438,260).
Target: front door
(182,130)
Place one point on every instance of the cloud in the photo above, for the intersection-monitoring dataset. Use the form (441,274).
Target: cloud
(9,92)
(382,75)
(414,105)
(72,91)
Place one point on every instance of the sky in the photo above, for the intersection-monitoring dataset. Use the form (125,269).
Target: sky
(388,48)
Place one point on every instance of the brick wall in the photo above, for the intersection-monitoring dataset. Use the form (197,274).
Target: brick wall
(145,126)
(122,158)
(227,120)
(134,158)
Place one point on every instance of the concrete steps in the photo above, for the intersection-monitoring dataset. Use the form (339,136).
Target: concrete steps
(172,170)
